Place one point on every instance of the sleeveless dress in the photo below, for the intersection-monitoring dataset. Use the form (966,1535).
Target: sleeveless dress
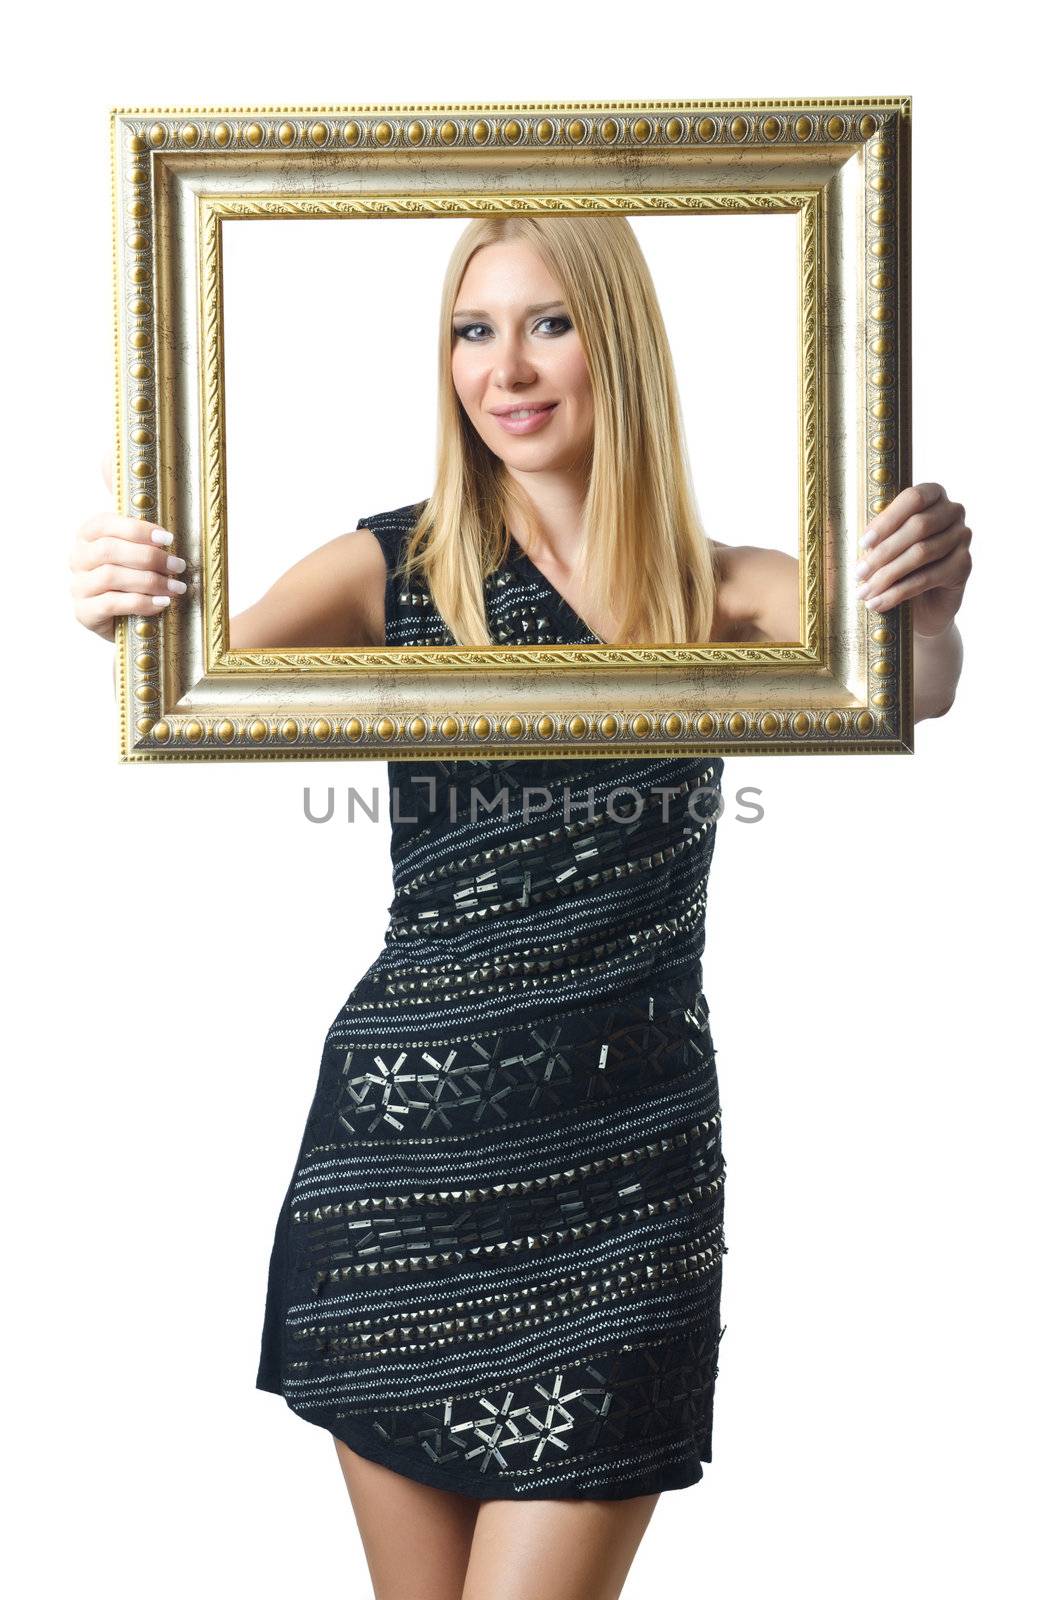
(497,1268)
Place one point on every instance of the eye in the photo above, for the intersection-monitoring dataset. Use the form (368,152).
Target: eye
(468,329)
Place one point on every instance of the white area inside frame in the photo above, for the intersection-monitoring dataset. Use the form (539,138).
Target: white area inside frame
(330,350)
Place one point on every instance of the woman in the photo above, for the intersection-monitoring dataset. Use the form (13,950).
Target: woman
(496,1272)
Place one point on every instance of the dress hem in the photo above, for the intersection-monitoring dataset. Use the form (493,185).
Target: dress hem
(680,1475)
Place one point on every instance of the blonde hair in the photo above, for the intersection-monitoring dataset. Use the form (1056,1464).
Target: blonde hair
(644,544)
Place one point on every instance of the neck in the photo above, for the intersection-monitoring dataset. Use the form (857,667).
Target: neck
(558,499)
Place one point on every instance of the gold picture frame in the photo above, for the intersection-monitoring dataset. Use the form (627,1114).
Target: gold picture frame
(841,166)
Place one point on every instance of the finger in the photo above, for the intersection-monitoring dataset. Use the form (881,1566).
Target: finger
(919,497)
(123,580)
(110,550)
(917,527)
(98,608)
(106,466)
(949,573)
(922,549)
(107,522)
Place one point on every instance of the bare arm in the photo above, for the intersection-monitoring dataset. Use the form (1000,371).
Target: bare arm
(335,596)
(937,662)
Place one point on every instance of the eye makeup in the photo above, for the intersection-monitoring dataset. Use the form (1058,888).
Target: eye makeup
(464,330)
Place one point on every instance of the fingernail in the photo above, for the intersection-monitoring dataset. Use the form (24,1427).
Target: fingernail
(859,571)
(175,563)
(862,590)
(868,538)
(161,536)
(175,586)
(160,599)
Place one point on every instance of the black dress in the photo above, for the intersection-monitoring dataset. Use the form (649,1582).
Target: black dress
(497,1268)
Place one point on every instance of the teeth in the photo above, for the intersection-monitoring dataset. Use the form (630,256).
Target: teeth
(517,416)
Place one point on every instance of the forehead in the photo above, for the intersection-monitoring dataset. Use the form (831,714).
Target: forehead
(508,274)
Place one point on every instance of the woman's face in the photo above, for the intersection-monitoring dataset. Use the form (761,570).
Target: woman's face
(515,348)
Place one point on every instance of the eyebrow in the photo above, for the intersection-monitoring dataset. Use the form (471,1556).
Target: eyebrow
(546,305)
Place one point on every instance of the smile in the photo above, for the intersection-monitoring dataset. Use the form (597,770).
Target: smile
(527,419)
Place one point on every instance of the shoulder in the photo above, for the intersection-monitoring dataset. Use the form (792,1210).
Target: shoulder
(758,592)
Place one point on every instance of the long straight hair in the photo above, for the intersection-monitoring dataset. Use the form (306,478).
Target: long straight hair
(645,554)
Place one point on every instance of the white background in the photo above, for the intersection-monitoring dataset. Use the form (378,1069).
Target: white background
(331,361)
(877,960)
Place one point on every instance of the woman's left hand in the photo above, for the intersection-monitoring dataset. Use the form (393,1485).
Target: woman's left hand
(917,549)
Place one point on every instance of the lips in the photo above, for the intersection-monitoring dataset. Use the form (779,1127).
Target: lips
(534,419)
(506,411)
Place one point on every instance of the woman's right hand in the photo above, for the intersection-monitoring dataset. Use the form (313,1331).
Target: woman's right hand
(122,566)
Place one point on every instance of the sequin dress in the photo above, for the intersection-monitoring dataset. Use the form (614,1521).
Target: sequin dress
(497,1268)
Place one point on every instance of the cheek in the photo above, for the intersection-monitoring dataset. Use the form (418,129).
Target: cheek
(578,380)
(464,383)
(582,390)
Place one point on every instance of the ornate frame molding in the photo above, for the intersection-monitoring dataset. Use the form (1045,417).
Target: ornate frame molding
(842,167)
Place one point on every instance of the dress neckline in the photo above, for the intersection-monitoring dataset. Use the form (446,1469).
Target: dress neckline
(517,556)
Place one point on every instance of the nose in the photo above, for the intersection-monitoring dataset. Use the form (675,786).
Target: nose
(512,364)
